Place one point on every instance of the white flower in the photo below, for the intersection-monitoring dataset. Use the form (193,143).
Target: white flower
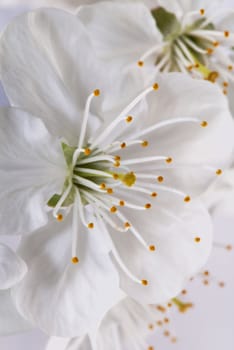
(116,171)
(176,35)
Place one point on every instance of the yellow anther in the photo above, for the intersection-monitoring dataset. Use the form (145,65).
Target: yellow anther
(206,273)
(87,151)
(190,68)
(225,92)
(161,308)
(173,339)
(113,210)
(75,260)
(213,76)
(225,84)
(117,164)
(209,51)
(166,333)
(109,190)
(184,292)
(140,63)
(154,194)
(115,176)
(103,186)
(202,12)
(150,348)
(59,217)
(151,326)
(160,178)
(145,143)
(230,67)
(121,203)
(187,199)
(127,224)
(129,119)
(169,160)
(166,320)
(147,206)
(229,247)
(155,86)
(196,65)
(221,284)
(219,172)
(226,33)
(197,239)
(128,179)
(117,158)
(216,43)
(204,124)
(152,248)
(123,145)
(96,92)
(144,282)
(90,225)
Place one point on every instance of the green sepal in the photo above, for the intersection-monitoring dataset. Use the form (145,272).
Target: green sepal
(68,152)
(167,22)
(52,202)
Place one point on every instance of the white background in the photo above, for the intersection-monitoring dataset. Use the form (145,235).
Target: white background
(210,324)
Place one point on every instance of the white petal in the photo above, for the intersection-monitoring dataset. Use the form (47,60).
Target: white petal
(50,48)
(12,267)
(10,320)
(197,152)
(176,258)
(78,295)
(121,33)
(32,169)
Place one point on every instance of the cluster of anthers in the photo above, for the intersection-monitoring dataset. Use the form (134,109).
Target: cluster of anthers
(199,49)
(96,173)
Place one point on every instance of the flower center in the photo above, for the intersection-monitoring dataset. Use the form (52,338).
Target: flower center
(192,45)
(100,179)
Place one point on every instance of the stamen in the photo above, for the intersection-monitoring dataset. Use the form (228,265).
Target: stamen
(75,231)
(145,143)
(125,269)
(187,199)
(147,206)
(61,200)
(219,172)
(197,239)
(204,124)
(129,119)
(202,12)
(113,210)
(122,115)
(226,33)
(148,53)
(163,124)
(75,260)
(160,178)
(84,124)
(60,217)
(87,183)
(91,225)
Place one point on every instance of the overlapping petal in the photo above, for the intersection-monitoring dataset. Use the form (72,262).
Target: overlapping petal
(77,295)
(12,268)
(32,168)
(113,25)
